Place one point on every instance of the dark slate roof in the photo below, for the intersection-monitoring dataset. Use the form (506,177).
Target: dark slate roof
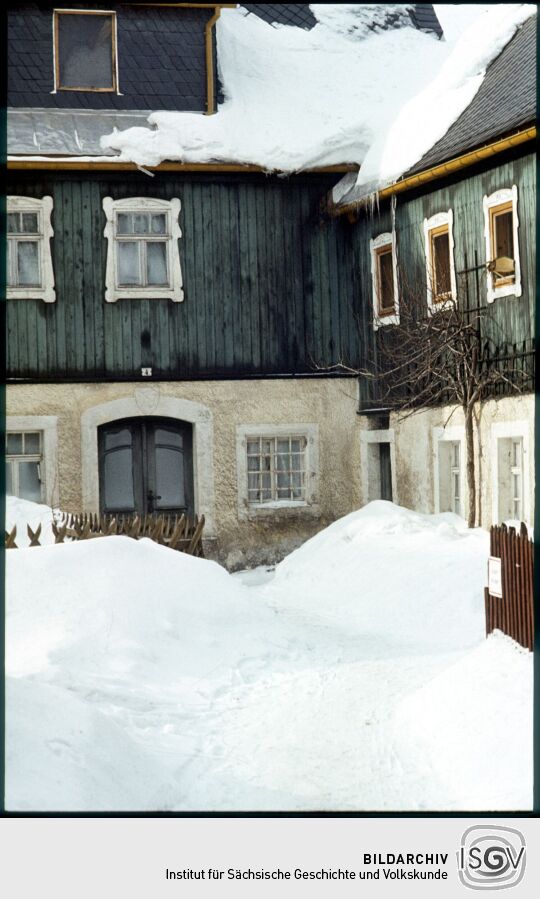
(422,15)
(505,101)
(298,14)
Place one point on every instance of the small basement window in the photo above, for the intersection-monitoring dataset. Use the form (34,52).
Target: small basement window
(502,249)
(85,50)
(23,465)
(29,262)
(440,270)
(384,277)
(143,257)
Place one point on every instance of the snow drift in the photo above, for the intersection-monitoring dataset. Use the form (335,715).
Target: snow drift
(143,678)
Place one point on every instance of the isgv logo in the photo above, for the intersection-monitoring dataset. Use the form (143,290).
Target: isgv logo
(491,858)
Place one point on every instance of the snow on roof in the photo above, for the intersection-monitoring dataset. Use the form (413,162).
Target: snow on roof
(296,99)
(424,119)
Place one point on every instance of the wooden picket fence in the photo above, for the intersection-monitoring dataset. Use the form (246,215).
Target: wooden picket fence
(513,613)
(176,532)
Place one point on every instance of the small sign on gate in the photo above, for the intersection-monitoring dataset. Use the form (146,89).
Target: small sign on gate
(495,576)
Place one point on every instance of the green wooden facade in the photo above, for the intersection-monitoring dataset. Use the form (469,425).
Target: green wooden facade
(272,285)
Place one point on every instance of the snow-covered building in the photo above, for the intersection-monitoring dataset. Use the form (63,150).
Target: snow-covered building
(180,289)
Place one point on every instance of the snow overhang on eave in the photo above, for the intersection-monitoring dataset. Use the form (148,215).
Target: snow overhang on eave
(347,206)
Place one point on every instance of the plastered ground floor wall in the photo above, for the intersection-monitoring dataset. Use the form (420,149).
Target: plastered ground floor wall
(342,452)
(223,414)
(419,451)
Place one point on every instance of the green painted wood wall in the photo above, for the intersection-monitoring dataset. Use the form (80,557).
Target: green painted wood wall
(270,288)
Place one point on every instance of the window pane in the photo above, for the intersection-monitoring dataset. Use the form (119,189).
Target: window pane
(13,223)
(504,240)
(31,444)
(253,463)
(14,444)
(283,446)
(296,462)
(28,263)
(9,478)
(30,222)
(386,281)
(29,481)
(124,223)
(156,261)
(441,263)
(253,446)
(140,223)
(118,477)
(128,263)
(159,223)
(85,51)
(168,438)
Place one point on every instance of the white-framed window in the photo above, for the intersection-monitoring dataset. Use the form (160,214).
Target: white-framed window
(85,50)
(384,280)
(29,262)
(501,226)
(440,266)
(510,465)
(449,469)
(277,467)
(378,465)
(32,457)
(143,257)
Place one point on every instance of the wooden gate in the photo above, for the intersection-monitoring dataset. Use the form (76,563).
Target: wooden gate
(513,612)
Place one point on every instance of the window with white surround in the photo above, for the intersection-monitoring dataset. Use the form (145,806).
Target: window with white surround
(384,280)
(143,258)
(277,467)
(440,267)
(511,475)
(501,226)
(29,262)
(24,456)
(449,469)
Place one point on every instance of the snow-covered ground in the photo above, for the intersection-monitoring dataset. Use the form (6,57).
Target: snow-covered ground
(348,91)
(354,676)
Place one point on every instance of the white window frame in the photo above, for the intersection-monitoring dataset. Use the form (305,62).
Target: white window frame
(383,240)
(504,430)
(171,208)
(454,434)
(310,504)
(43,207)
(48,425)
(504,195)
(368,438)
(439,220)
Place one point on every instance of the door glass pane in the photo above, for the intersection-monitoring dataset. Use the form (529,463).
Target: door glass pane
(85,50)
(118,478)
(156,259)
(169,438)
(27,263)
(128,263)
(29,481)
(121,437)
(169,478)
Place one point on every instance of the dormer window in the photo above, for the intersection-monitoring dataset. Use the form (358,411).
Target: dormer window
(85,50)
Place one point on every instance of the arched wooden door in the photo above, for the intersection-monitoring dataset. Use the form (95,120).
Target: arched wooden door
(146,467)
